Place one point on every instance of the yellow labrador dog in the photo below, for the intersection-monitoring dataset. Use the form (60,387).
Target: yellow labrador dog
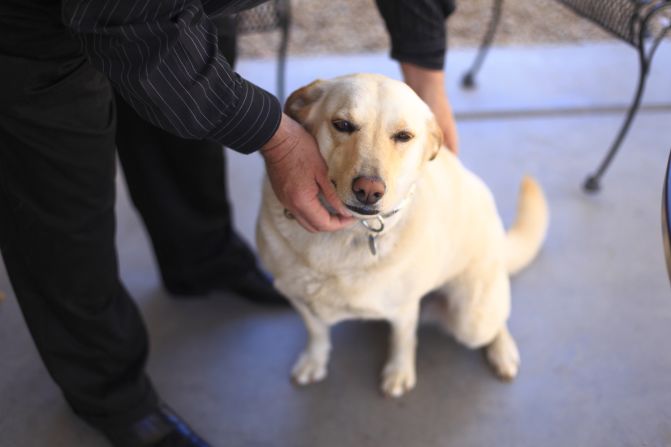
(426,224)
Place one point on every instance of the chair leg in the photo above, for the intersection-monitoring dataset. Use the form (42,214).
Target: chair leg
(593,182)
(468,80)
(284,7)
(666,222)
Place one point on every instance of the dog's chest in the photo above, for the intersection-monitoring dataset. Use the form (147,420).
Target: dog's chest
(373,296)
(333,309)
(343,295)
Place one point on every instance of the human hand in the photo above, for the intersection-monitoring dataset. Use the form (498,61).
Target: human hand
(298,175)
(430,86)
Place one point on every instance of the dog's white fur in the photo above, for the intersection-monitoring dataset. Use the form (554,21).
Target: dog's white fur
(448,237)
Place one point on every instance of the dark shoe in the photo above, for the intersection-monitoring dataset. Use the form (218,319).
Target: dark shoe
(254,286)
(162,428)
(237,272)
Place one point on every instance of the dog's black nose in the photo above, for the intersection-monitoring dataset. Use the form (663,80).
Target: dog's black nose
(368,190)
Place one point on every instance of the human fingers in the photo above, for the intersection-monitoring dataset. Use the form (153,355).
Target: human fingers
(330,195)
(304,223)
(313,213)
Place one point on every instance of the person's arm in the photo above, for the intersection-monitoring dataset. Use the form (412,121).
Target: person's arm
(163,58)
(418,41)
(430,86)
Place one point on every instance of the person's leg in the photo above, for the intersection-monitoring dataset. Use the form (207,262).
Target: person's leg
(179,188)
(57,224)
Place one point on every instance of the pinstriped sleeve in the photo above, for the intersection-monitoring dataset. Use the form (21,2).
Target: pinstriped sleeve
(163,58)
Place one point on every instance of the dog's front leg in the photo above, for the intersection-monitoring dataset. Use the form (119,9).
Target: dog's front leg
(398,375)
(311,365)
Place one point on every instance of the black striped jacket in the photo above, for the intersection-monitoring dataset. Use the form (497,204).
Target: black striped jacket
(162,56)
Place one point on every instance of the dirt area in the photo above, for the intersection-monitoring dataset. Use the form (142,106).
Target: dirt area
(355,26)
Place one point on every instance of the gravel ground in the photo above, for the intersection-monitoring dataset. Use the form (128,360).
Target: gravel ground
(355,26)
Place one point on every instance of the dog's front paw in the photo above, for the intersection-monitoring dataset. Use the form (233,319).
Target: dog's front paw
(308,369)
(504,357)
(397,379)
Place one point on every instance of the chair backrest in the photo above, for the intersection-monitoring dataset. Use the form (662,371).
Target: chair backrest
(269,16)
(620,17)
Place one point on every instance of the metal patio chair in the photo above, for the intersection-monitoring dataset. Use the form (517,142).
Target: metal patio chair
(641,23)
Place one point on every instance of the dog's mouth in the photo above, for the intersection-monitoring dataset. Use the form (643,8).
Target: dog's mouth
(363,210)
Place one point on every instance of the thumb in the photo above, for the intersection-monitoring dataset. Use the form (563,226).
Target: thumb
(330,195)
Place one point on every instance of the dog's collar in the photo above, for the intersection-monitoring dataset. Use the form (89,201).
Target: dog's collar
(375,230)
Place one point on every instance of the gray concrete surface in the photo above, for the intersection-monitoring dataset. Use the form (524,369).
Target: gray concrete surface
(592,315)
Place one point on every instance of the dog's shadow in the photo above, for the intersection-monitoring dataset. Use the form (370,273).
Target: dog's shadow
(223,323)
(455,386)
(361,348)
(353,341)
(226,353)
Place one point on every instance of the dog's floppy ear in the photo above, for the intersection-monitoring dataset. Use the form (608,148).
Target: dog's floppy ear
(299,103)
(435,140)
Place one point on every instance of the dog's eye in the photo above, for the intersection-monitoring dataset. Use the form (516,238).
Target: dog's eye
(344,126)
(402,136)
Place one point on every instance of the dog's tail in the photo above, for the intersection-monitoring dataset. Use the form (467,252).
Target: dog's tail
(527,234)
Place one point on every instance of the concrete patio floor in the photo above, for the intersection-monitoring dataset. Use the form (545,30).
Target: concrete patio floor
(592,315)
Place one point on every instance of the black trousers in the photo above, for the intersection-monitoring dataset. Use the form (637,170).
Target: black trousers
(59,129)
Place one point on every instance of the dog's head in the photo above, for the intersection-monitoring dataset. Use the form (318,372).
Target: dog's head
(375,134)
